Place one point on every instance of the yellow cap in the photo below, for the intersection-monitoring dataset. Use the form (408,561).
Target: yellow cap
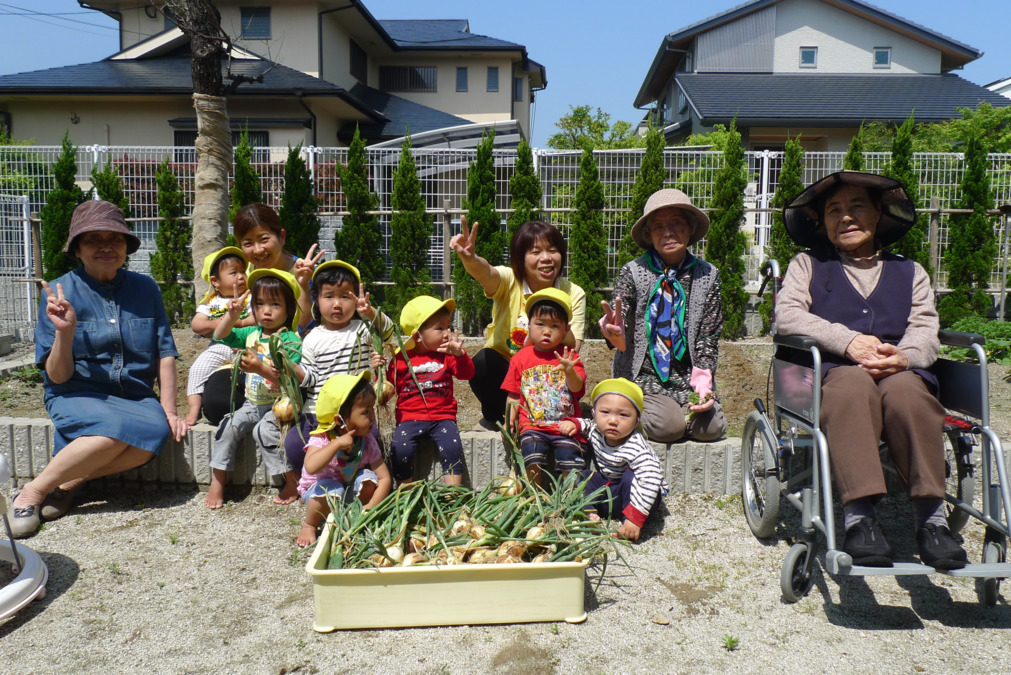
(329,264)
(332,396)
(209,262)
(419,310)
(286,277)
(555,295)
(621,387)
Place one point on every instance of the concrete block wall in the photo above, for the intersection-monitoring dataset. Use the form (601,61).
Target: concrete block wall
(27,443)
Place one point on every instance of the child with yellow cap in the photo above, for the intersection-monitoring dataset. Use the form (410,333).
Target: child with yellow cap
(427,408)
(225,272)
(626,464)
(342,457)
(274,300)
(545,385)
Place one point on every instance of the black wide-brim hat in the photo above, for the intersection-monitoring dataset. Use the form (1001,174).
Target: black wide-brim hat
(803,215)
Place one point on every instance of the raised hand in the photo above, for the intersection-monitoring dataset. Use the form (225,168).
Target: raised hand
(612,324)
(453,345)
(567,360)
(237,305)
(304,267)
(465,243)
(363,306)
(59,310)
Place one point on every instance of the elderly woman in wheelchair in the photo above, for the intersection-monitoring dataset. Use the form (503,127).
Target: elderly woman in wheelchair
(872,315)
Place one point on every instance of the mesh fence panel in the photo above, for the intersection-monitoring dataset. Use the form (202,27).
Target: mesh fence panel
(18,295)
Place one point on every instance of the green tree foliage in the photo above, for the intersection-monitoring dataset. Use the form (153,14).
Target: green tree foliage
(583,126)
(109,186)
(725,243)
(649,179)
(21,172)
(475,309)
(359,238)
(971,248)
(914,244)
(59,209)
(410,235)
(524,190)
(246,184)
(298,204)
(588,239)
(172,261)
(781,247)
(854,159)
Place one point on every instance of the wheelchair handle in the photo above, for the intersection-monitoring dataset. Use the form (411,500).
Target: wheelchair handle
(954,338)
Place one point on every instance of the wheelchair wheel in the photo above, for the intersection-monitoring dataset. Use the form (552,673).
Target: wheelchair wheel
(759,475)
(959,480)
(994,551)
(796,579)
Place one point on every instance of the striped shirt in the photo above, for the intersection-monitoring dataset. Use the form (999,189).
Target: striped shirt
(345,351)
(635,454)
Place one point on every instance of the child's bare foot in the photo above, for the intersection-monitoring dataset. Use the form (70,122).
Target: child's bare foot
(593,516)
(216,492)
(307,535)
(289,493)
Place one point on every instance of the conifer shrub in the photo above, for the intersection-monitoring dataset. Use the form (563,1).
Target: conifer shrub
(588,240)
(410,236)
(58,211)
(172,261)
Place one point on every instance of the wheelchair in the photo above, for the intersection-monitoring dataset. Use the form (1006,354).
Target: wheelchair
(785,461)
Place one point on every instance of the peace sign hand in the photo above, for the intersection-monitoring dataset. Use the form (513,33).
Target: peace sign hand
(59,310)
(363,306)
(304,267)
(464,243)
(612,324)
(237,305)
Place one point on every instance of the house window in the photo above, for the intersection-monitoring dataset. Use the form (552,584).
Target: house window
(808,57)
(882,57)
(461,79)
(682,101)
(359,63)
(255,23)
(492,78)
(517,89)
(408,78)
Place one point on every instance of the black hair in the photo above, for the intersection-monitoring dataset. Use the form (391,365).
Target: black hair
(443,311)
(528,234)
(271,287)
(360,394)
(227,256)
(331,276)
(548,309)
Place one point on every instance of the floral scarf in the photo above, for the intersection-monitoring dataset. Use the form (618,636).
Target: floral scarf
(665,315)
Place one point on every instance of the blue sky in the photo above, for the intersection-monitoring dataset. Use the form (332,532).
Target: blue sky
(595,52)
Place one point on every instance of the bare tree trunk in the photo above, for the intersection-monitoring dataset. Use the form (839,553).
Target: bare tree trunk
(214,161)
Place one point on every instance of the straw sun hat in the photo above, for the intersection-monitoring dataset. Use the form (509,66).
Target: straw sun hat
(662,199)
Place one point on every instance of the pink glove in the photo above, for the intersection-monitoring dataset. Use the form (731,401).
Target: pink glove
(702,383)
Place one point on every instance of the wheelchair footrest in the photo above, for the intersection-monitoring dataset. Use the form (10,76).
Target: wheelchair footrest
(988,570)
(898,569)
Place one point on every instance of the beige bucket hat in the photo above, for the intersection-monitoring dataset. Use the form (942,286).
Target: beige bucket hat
(662,199)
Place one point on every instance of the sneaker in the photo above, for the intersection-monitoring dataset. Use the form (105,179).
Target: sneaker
(939,549)
(56,504)
(865,543)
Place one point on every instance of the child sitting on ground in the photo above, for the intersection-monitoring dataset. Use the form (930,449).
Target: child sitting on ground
(436,355)
(341,343)
(627,467)
(545,385)
(274,294)
(225,272)
(341,452)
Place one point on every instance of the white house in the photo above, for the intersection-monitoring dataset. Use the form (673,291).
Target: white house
(813,67)
(327,66)
(1001,86)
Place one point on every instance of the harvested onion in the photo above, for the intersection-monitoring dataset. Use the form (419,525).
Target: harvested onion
(284,411)
(386,392)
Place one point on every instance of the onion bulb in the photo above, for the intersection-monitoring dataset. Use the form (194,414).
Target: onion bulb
(386,392)
(462,525)
(515,549)
(508,559)
(478,532)
(413,559)
(536,532)
(482,556)
(395,553)
(542,558)
(284,411)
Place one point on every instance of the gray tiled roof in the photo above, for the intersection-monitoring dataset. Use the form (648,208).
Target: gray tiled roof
(801,98)
(400,114)
(169,75)
(441,34)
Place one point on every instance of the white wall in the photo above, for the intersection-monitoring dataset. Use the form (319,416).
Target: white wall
(845,42)
(293,33)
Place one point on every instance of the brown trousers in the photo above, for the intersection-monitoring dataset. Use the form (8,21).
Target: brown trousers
(664,421)
(857,411)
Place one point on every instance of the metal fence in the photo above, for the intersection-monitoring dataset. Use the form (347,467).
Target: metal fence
(18,296)
(443,173)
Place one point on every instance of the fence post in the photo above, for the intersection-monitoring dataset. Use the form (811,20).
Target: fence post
(932,234)
(447,234)
(1005,211)
(36,244)
(310,160)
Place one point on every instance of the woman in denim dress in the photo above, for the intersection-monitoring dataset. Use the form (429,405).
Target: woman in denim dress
(101,341)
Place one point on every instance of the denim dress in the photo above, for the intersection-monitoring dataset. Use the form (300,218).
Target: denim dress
(121,336)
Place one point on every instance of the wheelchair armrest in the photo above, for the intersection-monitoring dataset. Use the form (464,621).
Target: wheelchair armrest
(956,339)
(794,341)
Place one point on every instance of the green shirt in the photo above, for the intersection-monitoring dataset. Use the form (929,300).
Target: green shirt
(259,390)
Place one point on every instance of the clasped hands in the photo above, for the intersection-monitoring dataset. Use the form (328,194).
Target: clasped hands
(878,359)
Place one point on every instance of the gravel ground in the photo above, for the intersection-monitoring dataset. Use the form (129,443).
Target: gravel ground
(153,582)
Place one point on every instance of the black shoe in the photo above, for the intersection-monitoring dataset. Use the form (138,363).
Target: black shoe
(939,549)
(866,544)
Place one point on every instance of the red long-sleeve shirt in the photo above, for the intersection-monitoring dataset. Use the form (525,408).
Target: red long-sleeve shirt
(435,372)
